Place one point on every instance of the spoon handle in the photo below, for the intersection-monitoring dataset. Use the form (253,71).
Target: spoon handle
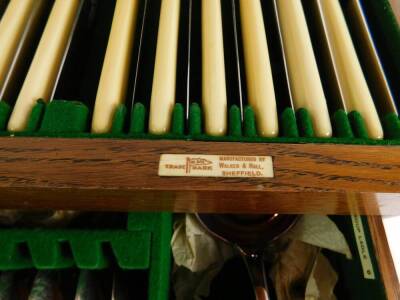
(255,266)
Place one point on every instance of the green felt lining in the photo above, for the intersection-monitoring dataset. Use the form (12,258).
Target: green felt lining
(341,125)
(5,111)
(304,123)
(65,116)
(348,129)
(358,125)
(250,129)
(178,120)
(119,120)
(391,126)
(36,117)
(137,124)
(235,128)
(195,126)
(143,245)
(288,124)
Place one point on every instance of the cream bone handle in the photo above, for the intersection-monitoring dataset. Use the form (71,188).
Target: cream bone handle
(164,78)
(384,99)
(24,48)
(260,86)
(12,27)
(305,85)
(113,83)
(349,75)
(45,66)
(213,69)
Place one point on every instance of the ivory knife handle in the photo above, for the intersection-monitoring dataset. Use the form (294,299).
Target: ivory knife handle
(12,26)
(44,68)
(213,69)
(260,86)
(164,78)
(353,85)
(304,80)
(115,73)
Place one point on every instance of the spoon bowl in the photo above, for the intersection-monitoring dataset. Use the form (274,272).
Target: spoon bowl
(251,235)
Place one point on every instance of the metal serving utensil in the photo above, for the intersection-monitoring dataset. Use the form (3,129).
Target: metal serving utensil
(252,235)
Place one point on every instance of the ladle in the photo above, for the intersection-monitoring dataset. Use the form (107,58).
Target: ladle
(252,235)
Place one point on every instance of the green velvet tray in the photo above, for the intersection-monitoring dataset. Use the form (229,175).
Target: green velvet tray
(62,118)
(143,245)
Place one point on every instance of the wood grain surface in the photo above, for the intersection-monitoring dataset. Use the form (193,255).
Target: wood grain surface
(384,257)
(109,174)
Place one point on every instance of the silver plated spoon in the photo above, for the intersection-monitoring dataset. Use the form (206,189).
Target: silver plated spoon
(252,235)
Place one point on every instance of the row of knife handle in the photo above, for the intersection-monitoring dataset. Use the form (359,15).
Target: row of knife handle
(73,285)
(303,78)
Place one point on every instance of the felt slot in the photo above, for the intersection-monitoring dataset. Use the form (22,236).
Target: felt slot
(48,253)
(138,119)
(304,122)
(182,61)
(358,125)
(341,125)
(72,117)
(5,111)
(231,60)
(195,84)
(195,120)
(322,55)
(288,124)
(14,254)
(24,53)
(391,125)
(3,6)
(178,120)
(36,116)
(281,84)
(385,32)
(235,128)
(145,71)
(64,248)
(81,70)
(119,120)
(143,245)
(249,122)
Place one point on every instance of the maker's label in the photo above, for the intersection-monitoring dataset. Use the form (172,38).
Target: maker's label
(362,247)
(199,165)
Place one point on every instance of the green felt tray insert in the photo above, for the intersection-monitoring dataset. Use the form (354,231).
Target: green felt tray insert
(5,111)
(144,244)
(70,119)
(85,249)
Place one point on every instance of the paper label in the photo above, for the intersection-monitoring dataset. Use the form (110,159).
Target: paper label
(362,247)
(199,165)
